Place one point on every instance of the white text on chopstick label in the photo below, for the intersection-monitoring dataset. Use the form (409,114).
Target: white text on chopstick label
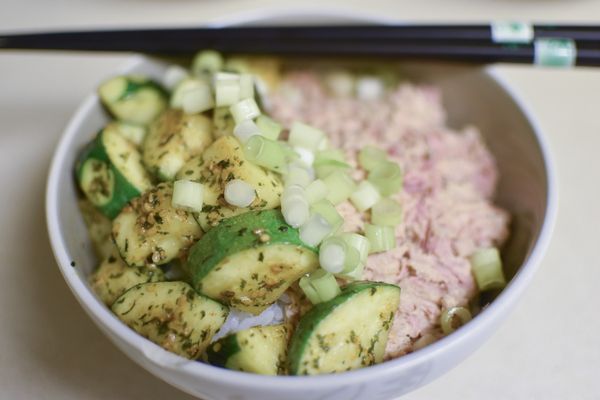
(511,32)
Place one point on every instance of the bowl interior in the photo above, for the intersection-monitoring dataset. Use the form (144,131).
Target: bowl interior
(471,96)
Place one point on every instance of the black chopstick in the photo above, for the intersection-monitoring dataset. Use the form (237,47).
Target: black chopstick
(470,43)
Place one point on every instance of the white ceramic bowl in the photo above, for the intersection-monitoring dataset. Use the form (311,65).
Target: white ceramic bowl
(527,188)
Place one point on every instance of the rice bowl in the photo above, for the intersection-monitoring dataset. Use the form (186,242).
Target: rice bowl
(177,372)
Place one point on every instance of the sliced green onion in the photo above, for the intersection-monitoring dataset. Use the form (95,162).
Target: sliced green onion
(359,242)
(266,153)
(193,94)
(369,88)
(302,135)
(246,86)
(227,92)
(329,161)
(174,75)
(331,154)
(289,152)
(381,238)
(325,168)
(319,286)
(370,156)
(387,177)
(487,268)
(294,206)
(308,290)
(336,256)
(297,175)
(386,212)
(355,275)
(332,255)
(340,186)
(207,61)
(245,109)
(269,128)
(323,144)
(292,191)
(239,193)
(327,210)
(295,211)
(317,190)
(245,130)
(197,99)
(187,195)
(305,156)
(365,196)
(340,83)
(453,318)
(315,230)
(225,76)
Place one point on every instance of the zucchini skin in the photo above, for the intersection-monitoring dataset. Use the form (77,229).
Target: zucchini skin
(309,324)
(219,352)
(139,101)
(260,350)
(122,190)
(238,233)
(255,230)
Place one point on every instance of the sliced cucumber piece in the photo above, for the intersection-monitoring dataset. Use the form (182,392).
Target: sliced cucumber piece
(172,315)
(348,332)
(113,277)
(134,99)
(134,133)
(224,161)
(110,172)
(99,227)
(260,350)
(173,139)
(249,260)
(149,230)
(223,122)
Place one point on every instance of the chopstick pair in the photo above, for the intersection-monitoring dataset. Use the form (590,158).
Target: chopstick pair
(561,46)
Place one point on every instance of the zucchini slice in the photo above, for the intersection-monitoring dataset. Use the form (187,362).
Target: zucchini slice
(113,277)
(173,139)
(223,161)
(99,228)
(348,332)
(134,133)
(223,122)
(260,350)
(149,230)
(172,315)
(110,172)
(249,260)
(133,99)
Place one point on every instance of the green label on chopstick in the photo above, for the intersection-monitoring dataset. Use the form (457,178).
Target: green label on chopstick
(555,52)
(512,32)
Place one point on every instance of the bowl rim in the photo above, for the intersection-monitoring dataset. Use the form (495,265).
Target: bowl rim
(102,316)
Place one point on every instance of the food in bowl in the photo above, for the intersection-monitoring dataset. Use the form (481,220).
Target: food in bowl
(346,227)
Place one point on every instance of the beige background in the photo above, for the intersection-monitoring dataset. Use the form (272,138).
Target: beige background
(49,349)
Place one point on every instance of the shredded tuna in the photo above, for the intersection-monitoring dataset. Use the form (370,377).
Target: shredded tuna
(449,180)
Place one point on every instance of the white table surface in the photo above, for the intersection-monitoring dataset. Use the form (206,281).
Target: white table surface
(549,347)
